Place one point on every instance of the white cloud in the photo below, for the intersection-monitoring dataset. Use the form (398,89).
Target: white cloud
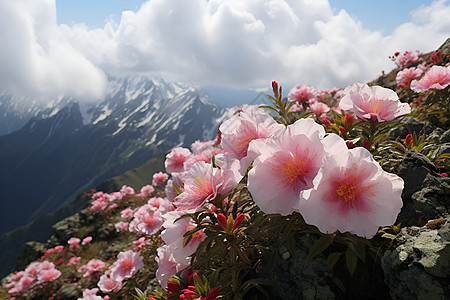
(34,58)
(221,42)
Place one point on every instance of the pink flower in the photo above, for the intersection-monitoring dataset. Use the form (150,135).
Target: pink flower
(286,165)
(159,178)
(121,226)
(86,240)
(127,264)
(407,58)
(174,231)
(302,94)
(93,267)
(352,193)
(167,264)
(74,260)
(319,109)
(112,206)
(250,124)
(373,103)
(33,268)
(127,213)
(175,160)
(73,242)
(98,205)
(48,275)
(407,75)
(202,184)
(146,191)
(109,284)
(147,220)
(127,190)
(436,78)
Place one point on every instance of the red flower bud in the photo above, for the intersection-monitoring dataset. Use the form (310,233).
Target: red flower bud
(172,287)
(342,132)
(409,141)
(275,88)
(325,121)
(437,57)
(213,293)
(444,174)
(222,220)
(366,144)
(348,119)
(350,144)
(397,53)
(238,221)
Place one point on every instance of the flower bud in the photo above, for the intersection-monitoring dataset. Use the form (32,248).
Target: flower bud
(348,119)
(172,287)
(342,132)
(366,144)
(350,144)
(238,221)
(213,293)
(325,121)
(275,88)
(409,141)
(222,220)
(437,58)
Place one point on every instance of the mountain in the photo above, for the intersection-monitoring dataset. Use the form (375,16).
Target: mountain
(61,153)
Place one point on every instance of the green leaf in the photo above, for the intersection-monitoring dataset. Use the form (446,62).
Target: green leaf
(186,240)
(320,245)
(351,260)
(177,189)
(333,258)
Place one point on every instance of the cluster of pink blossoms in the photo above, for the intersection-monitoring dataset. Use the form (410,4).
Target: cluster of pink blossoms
(436,78)
(407,58)
(37,273)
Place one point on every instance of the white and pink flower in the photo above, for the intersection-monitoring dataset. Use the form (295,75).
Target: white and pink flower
(167,264)
(352,193)
(159,178)
(373,103)
(108,284)
(436,78)
(127,264)
(405,76)
(302,94)
(175,160)
(202,184)
(286,165)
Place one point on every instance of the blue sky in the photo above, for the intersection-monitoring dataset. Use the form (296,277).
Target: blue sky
(382,15)
(71,47)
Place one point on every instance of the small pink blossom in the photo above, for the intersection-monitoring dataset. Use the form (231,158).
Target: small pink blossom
(98,205)
(405,76)
(109,284)
(249,124)
(74,260)
(319,109)
(121,226)
(202,184)
(86,240)
(302,94)
(167,264)
(175,160)
(373,103)
(436,78)
(408,58)
(127,264)
(112,206)
(147,220)
(146,191)
(159,178)
(174,231)
(352,193)
(73,242)
(127,190)
(48,275)
(127,213)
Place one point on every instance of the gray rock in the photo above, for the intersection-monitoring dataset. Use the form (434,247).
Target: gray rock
(69,291)
(445,137)
(67,228)
(426,193)
(419,266)
(296,279)
(413,125)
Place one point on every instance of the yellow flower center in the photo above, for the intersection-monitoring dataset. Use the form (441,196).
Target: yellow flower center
(294,168)
(347,192)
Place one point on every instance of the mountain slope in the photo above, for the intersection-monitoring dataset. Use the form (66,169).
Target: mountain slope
(50,160)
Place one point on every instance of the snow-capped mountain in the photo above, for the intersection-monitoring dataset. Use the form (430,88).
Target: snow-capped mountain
(65,149)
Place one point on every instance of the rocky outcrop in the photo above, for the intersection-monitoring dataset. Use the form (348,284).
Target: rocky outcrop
(419,266)
(426,193)
(30,251)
